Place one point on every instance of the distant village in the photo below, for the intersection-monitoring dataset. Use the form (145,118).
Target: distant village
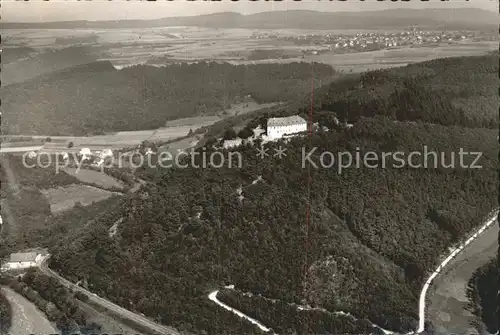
(369,41)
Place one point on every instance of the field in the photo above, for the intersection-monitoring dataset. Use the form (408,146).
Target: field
(381,59)
(237,51)
(161,46)
(63,198)
(94,177)
(448,302)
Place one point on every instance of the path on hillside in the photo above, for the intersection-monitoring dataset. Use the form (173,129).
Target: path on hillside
(26,318)
(445,307)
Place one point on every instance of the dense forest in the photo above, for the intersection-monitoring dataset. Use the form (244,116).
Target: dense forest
(5,314)
(57,302)
(457,91)
(374,232)
(96,98)
(483,294)
(449,91)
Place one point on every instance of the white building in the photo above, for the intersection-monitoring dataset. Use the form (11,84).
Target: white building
(85,153)
(232,143)
(101,156)
(106,153)
(23,260)
(277,127)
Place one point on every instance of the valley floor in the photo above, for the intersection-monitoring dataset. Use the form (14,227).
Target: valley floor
(448,302)
(26,318)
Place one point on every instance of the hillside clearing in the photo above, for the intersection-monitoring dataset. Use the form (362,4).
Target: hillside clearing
(63,198)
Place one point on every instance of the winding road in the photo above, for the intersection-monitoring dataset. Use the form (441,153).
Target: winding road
(213,297)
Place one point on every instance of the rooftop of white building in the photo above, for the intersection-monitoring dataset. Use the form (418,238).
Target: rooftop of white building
(23,257)
(285,121)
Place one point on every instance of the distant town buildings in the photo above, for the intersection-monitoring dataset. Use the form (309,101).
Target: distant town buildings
(85,153)
(277,127)
(317,43)
(232,143)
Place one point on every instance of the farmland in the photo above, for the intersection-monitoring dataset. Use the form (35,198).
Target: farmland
(165,45)
(64,198)
(95,177)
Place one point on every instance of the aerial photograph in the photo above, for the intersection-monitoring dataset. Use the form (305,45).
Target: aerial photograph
(249,168)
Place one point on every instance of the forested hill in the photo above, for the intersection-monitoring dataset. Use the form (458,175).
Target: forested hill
(460,91)
(449,91)
(23,63)
(374,233)
(95,98)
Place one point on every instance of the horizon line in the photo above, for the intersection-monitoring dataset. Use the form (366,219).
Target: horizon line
(251,14)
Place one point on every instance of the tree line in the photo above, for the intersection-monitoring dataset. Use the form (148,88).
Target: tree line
(5,314)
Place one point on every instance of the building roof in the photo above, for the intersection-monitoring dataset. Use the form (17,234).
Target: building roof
(285,121)
(23,257)
(235,141)
(231,143)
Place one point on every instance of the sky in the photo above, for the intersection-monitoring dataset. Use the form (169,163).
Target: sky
(96,10)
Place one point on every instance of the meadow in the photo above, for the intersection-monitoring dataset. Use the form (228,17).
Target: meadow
(163,45)
(64,198)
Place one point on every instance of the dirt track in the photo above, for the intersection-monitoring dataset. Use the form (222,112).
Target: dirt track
(447,309)
(26,318)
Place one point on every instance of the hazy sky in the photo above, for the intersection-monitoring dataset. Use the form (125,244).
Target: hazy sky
(63,10)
